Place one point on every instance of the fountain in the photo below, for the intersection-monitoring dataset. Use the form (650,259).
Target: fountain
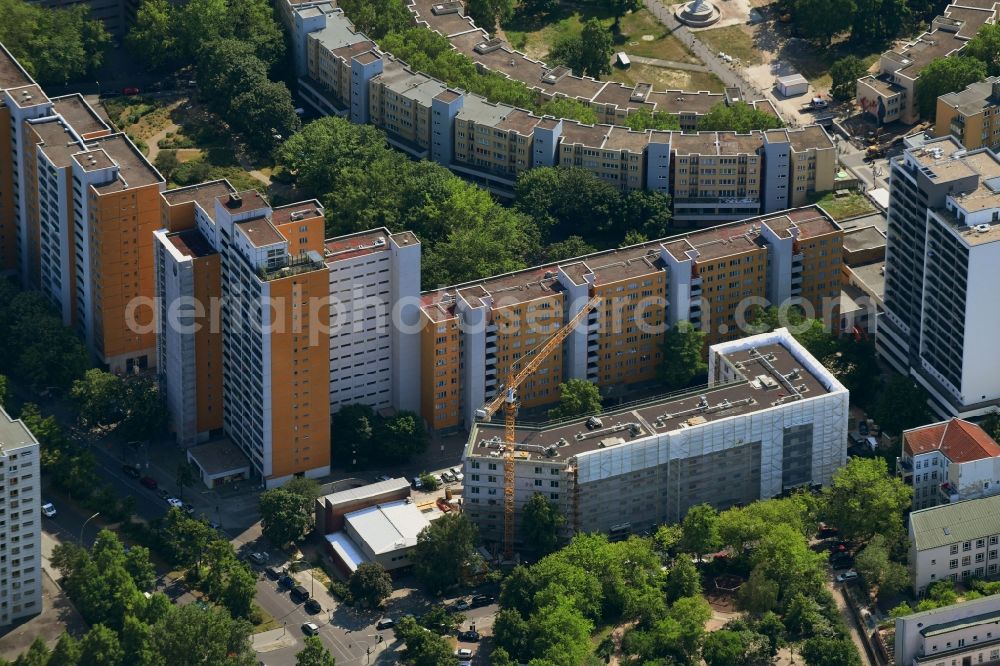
(697,13)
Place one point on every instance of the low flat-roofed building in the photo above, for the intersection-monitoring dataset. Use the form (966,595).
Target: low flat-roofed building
(331,509)
(219,462)
(383,533)
(965,633)
(955,542)
(771,418)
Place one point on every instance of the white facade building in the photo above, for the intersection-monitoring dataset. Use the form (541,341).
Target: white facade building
(949,461)
(942,262)
(955,542)
(772,418)
(957,635)
(374,298)
(20,522)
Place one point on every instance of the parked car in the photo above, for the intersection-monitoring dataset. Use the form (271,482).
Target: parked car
(258,558)
(162,493)
(469,636)
(463,653)
(299,594)
(417,483)
(385,623)
(447,476)
(310,628)
(188,509)
(847,576)
(49,510)
(863,428)
(149,482)
(174,502)
(272,573)
(286,581)
(131,472)
(312,606)
(841,560)
(457,473)
(383,477)
(481,600)
(462,605)
(131,90)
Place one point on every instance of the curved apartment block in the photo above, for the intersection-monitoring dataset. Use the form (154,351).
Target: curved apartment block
(712,176)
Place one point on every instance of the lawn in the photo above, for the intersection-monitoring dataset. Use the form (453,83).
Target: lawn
(667,79)
(734,40)
(640,33)
(845,206)
(265,621)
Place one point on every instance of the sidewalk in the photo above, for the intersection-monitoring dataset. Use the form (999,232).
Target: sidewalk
(275,639)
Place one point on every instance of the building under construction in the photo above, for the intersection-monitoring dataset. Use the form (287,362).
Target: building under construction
(771,418)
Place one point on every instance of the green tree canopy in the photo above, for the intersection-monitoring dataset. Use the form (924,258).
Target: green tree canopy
(864,500)
(587,54)
(737,117)
(902,405)
(943,76)
(985,47)
(487,13)
(683,356)
(423,647)
(370,584)
(825,651)
(844,74)
(285,517)
(314,654)
(444,548)
(56,46)
(877,21)
(700,530)
(644,119)
(820,20)
(877,569)
(541,524)
(576,398)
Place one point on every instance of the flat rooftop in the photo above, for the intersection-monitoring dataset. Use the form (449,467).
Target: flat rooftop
(202,194)
(611,266)
(388,527)
(191,243)
(134,170)
(242,202)
(260,232)
(59,142)
(220,457)
(28,95)
(80,115)
(13,434)
(863,238)
(356,245)
(12,75)
(300,210)
(976,97)
(872,276)
(767,373)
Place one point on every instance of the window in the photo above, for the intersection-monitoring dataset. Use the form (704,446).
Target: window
(954,549)
(953,564)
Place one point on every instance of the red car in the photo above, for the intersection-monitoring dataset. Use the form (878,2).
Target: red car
(149,482)
(130,91)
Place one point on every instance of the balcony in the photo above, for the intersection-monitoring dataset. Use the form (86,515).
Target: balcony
(904,470)
(948,492)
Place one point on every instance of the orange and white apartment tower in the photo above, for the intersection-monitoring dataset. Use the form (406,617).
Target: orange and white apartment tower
(79,206)
(243,340)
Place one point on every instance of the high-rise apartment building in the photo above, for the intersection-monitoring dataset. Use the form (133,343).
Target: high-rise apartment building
(20,522)
(942,260)
(712,278)
(713,176)
(771,419)
(262,273)
(79,207)
(972,115)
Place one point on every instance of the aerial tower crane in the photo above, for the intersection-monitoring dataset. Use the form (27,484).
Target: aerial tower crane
(507,396)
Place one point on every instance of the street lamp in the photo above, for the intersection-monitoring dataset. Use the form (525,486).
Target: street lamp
(85,525)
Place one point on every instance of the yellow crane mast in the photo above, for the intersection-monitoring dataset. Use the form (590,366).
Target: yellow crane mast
(508,398)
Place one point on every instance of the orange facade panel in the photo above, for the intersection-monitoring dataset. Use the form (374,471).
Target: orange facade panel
(440,373)
(300,361)
(208,345)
